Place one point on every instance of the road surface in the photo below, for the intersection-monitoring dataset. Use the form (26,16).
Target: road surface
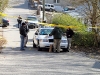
(33,62)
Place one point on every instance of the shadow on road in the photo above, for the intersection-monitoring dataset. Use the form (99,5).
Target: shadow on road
(97,65)
(16,25)
(29,51)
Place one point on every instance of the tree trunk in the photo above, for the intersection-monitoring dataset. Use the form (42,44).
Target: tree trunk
(94,21)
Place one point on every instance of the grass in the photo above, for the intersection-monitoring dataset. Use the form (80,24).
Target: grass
(2,42)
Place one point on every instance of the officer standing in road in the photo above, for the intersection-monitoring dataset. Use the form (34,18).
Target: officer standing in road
(27,30)
(69,34)
(23,35)
(57,34)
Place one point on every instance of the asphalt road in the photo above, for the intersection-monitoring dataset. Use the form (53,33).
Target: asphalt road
(33,62)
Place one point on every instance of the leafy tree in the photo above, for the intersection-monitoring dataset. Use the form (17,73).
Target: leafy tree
(92,12)
(3,5)
(66,20)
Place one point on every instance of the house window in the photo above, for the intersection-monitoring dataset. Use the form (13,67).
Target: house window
(56,1)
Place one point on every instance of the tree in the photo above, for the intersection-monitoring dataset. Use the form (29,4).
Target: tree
(91,9)
(3,5)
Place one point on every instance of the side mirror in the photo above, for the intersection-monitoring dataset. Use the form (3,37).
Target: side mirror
(36,33)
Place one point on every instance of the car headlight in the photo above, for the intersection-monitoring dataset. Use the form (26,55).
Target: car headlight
(44,40)
(63,41)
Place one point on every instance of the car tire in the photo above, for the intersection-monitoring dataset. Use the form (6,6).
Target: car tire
(65,50)
(34,45)
(33,26)
(4,25)
(39,49)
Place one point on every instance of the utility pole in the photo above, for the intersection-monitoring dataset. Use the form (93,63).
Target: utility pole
(43,9)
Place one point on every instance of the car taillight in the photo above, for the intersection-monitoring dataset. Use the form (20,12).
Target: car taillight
(8,21)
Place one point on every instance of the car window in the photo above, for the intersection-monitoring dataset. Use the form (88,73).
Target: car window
(66,9)
(32,18)
(45,31)
(48,5)
(45,5)
(52,6)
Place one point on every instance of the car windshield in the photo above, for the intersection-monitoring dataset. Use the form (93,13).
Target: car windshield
(32,18)
(45,31)
(65,9)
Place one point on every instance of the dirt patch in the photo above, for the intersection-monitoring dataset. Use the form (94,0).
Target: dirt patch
(88,51)
(2,42)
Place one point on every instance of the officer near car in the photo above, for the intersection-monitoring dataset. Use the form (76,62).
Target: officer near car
(23,35)
(57,34)
(27,30)
(69,34)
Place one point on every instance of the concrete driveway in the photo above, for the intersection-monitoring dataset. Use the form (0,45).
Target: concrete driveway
(33,62)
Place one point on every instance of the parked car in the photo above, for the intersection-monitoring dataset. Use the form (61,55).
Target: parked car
(59,9)
(68,8)
(48,6)
(5,22)
(32,22)
(41,39)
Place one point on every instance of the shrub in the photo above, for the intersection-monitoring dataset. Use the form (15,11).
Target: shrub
(83,39)
(66,20)
(2,41)
(3,4)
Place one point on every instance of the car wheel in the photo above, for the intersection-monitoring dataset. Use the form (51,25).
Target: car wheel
(4,25)
(39,49)
(33,26)
(65,50)
(34,45)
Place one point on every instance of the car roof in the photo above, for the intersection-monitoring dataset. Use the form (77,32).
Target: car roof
(32,16)
(48,4)
(45,28)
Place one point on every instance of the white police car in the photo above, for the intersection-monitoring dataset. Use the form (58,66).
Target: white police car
(41,39)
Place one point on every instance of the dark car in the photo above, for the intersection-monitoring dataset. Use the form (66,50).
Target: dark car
(5,22)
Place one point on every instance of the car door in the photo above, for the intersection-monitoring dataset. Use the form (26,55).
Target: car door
(49,6)
(36,34)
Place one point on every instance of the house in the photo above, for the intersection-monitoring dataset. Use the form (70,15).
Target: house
(62,3)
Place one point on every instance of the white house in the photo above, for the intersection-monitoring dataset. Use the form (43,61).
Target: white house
(58,2)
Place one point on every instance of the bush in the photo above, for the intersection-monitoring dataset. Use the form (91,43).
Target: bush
(2,42)
(3,4)
(66,20)
(83,39)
